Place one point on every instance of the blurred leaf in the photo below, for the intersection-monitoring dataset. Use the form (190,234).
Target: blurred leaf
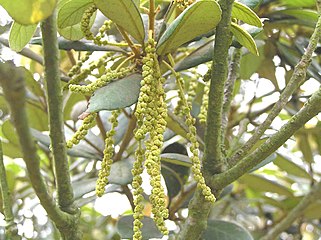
(125,14)
(118,94)
(20,35)
(251,3)
(299,13)
(30,12)
(83,45)
(11,146)
(244,13)
(303,143)
(290,167)
(173,180)
(267,70)
(223,230)
(71,12)
(83,187)
(201,55)
(262,184)
(266,161)
(177,159)
(199,18)
(313,211)
(33,85)
(120,172)
(244,38)
(9,132)
(149,229)
(299,3)
(37,117)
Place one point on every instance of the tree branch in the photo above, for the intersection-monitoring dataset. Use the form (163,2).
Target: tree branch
(56,125)
(296,212)
(310,109)
(296,80)
(11,226)
(214,161)
(12,81)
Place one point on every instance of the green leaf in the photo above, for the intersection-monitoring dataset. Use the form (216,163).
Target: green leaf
(29,11)
(172,180)
(120,172)
(244,13)
(251,3)
(313,211)
(262,184)
(125,14)
(299,3)
(149,229)
(197,19)
(223,230)
(20,35)
(177,159)
(71,12)
(303,14)
(266,161)
(284,163)
(244,38)
(119,94)
(201,55)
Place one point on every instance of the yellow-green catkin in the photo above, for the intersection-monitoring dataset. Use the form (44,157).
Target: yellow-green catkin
(191,136)
(81,133)
(108,154)
(182,4)
(203,112)
(191,92)
(85,22)
(76,68)
(151,112)
(100,82)
(84,73)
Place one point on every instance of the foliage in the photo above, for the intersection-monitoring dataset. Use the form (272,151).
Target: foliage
(136,81)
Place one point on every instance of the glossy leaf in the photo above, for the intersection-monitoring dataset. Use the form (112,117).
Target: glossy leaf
(244,13)
(30,11)
(20,35)
(172,180)
(217,229)
(199,18)
(71,12)
(262,184)
(303,14)
(120,172)
(244,38)
(149,229)
(118,94)
(125,14)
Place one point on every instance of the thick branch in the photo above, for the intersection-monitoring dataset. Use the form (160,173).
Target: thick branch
(12,81)
(11,226)
(296,80)
(56,124)
(310,109)
(296,212)
(214,161)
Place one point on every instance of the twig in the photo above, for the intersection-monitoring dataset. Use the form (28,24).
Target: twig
(296,80)
(11,226)
(310,109)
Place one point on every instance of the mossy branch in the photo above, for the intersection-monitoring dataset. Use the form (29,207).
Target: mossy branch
(56,127)
(11,226)
(213,160)
(12,82)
